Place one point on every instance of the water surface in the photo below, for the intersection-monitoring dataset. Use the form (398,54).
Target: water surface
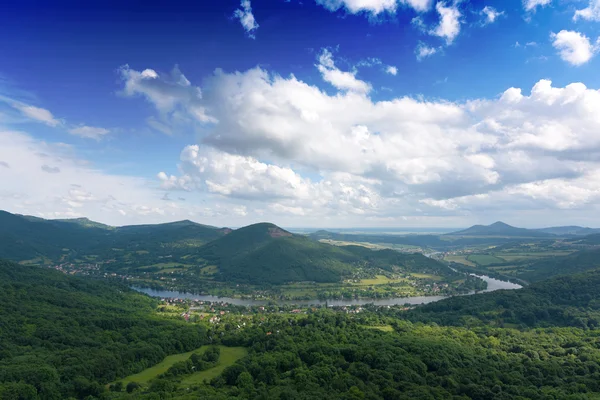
(493,284)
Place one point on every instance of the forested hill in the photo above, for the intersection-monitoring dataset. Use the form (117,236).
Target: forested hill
(265,253)
(63,337)
(572,300)
(26,238)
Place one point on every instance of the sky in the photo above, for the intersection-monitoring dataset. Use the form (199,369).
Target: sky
(312,113)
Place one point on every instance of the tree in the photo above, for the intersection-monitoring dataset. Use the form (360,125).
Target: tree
(132,386)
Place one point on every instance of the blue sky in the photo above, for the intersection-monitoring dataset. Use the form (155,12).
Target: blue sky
(316,113)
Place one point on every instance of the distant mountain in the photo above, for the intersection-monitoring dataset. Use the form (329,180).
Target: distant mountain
(265,253)
(84,222)
(500,229)
(569,230)
(27,238)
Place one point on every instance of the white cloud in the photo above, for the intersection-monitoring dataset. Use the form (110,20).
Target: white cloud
(390,69)
(373,7)
(247,18)
(491,15)
(531,5)
(277,145)
(449,25)
(573,47)
(590,13)
(90,132)
(172,95)
(36,113)
(48,180)
(418,5)
(424,51)
(343,80)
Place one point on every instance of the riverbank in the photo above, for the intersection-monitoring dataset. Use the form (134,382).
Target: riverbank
(493,285)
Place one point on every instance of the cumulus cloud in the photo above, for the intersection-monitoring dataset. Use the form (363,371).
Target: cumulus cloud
(33,186)
(390,69)
(343,80)
(247,18)
(278,139)
(418,5)
(531,5)
(89,132)
(590,13)
(573,47)
(490,15)
(172,94)
(449,26)
(424,51)
(373,7)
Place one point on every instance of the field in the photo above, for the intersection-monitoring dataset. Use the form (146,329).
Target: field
(378,280)
(229,355)
(383,328)
(484,259)
(461,259)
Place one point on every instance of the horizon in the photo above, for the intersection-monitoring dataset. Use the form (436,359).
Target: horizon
(378,113)
(349,229)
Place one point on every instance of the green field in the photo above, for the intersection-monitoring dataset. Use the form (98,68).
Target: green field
(460,259)
(229,355)
(378,280)
(426,276)
(383,328)
(484,259)
(150,373)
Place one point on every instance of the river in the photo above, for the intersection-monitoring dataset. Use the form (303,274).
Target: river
(493,284)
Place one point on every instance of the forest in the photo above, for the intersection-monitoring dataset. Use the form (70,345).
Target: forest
(62,337)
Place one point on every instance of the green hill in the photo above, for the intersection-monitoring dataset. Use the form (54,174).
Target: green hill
(26,237)
(578,262)
(64,337)
(265,253)
(572,300)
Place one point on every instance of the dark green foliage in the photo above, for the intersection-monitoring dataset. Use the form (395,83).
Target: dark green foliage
(562,301)
(578,262)
(264,253)
(65,336)
(25,238)
(332,356)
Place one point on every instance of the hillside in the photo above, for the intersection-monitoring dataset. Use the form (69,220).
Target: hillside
(63,337)
(28,238)
(575,263)
(265,253)
(500,229)
(572,300)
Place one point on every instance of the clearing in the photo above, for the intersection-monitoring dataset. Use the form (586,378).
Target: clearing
(229,355)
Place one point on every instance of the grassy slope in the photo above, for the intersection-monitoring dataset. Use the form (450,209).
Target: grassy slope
(229,355)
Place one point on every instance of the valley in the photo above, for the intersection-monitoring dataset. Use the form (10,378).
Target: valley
(186,311)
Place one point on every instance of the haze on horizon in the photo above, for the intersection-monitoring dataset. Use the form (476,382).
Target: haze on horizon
(322,113)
